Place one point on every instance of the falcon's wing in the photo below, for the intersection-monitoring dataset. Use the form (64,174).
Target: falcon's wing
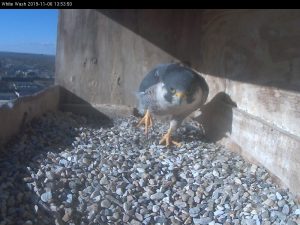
(204,87)
(146,94)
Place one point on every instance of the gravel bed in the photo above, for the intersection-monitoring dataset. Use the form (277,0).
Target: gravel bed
(63,169)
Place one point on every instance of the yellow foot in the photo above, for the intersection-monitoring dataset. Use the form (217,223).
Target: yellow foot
(167,138)
(147,120)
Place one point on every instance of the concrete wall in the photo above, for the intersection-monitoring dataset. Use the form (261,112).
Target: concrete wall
(17,113)
(93,62)
(250,58)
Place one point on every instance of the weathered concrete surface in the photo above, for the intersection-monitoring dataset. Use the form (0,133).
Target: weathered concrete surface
(93,63)
(271,147)
(108,111)
(70,102)
(256,47)
(250,59)
(24,110)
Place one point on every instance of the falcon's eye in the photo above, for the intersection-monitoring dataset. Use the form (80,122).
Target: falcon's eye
(173,91)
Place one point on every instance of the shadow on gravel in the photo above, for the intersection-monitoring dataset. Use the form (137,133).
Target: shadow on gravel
(216,117)
(20,200)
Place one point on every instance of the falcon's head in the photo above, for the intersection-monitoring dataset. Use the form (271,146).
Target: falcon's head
(178,86)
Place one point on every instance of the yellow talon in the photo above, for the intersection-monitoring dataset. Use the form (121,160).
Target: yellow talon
(167,138)
(147,120)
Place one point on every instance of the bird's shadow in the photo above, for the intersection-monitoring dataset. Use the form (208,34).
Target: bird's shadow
(213,124)
(216,117)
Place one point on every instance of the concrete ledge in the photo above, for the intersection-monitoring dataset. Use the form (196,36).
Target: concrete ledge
(17,113)
(256,140)
(107,110)
(265,144)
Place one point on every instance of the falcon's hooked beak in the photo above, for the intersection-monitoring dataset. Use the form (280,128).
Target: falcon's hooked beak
(180,96)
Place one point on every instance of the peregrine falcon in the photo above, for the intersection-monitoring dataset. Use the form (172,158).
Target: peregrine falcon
(170,89)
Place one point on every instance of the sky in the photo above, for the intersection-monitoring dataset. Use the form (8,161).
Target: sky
(28,30)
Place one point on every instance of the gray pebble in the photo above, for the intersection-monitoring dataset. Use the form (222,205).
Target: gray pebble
(278,196)
(157,196)
(281,203)
(297,212)
(116,215)
(290,222)
(155,208)
(139,216)
(50,175)
(194,212)
(268,202)
(202,220)
(180,204)
(135,222)
(86,161)
(218,212)
(286,209)
(125,218)
(47,196)
(250,222)
(105,203)
(69,198)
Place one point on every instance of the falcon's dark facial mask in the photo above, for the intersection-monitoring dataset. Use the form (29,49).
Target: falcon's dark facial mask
(179,88)
(178,95)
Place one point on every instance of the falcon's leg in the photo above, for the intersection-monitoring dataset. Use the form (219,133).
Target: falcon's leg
(147,120)
(167,137)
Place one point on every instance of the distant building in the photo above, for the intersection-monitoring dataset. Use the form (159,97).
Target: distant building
(8,96)
(7,91)
(27,88)
(24,74)
(4,87)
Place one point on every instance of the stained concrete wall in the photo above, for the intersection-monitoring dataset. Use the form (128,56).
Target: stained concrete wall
(250,58)
(14,115)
